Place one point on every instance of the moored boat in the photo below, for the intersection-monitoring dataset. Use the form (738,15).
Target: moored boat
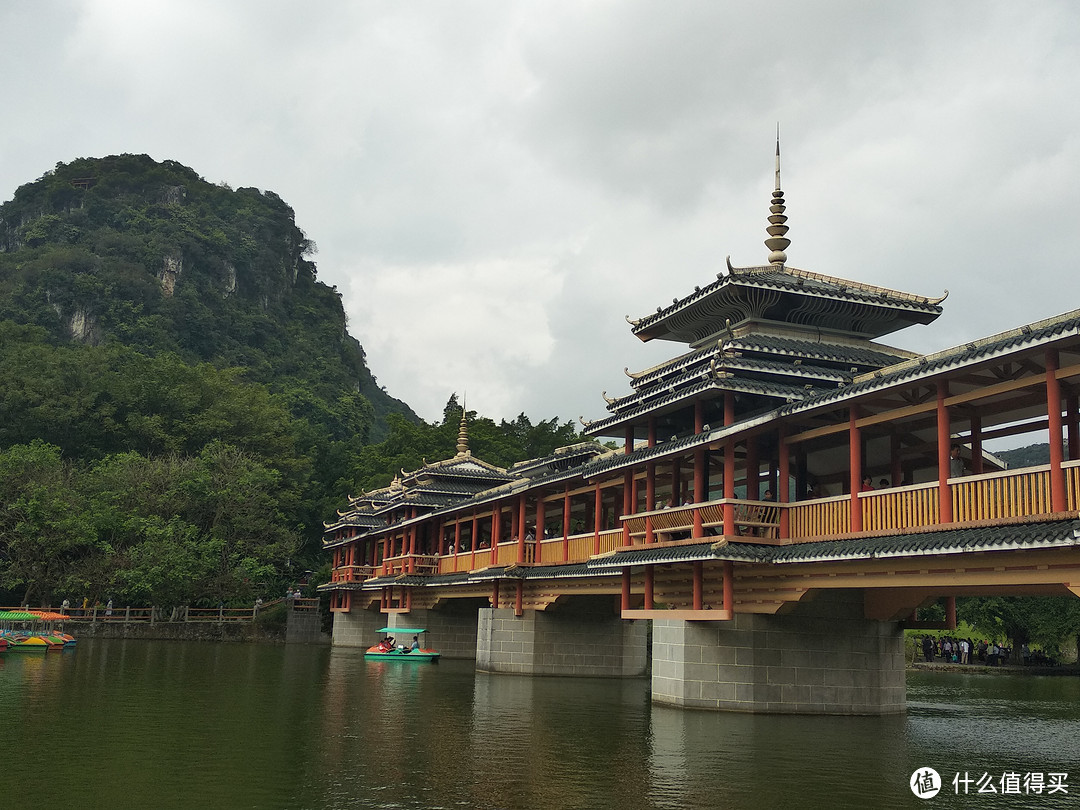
(388,650)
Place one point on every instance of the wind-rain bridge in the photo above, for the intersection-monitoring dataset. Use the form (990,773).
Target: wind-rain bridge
(789,493)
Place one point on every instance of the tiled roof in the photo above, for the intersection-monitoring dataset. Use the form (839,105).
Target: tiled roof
(877,356)
(741,385)
(654,553)
(1049,534)
(1031,335)
(790,279)
(749,369)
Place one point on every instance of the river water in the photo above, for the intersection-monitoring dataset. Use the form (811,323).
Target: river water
(142,724)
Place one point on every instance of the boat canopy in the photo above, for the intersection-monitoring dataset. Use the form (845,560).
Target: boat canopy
(16,616)
(414,630)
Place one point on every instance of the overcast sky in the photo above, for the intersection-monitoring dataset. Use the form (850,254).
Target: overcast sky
(494,185)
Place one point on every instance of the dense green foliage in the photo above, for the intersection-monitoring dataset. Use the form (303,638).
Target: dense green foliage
(181,404)
(151,256)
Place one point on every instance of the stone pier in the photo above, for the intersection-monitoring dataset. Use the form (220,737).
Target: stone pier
(587,641)
(450,630)
(824,657)
(357,628)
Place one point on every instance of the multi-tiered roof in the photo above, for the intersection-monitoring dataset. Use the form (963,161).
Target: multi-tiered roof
(769,334)
(434,486)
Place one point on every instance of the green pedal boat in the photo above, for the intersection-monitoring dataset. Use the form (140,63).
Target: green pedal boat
(405,647)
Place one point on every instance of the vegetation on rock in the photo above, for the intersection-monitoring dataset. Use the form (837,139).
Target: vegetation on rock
(182,403)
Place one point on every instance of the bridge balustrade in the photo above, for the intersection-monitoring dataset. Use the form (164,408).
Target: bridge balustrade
(902,507)
(1011,493)
(820,517)
(1004,494)
(352,573)
(1072,485)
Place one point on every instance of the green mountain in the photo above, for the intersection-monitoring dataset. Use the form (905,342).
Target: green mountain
(126,250)
(181,405)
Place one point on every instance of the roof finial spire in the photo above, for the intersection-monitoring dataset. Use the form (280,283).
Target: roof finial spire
(463,432)
(777,242)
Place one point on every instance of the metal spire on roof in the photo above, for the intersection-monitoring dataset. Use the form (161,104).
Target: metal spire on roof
(777,242)
(463,433)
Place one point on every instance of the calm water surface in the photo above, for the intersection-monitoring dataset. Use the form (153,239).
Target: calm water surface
(140,724)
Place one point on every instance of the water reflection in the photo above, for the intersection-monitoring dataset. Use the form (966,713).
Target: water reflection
(148,724)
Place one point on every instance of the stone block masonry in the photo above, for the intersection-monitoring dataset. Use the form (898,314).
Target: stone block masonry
(822,658)
(574,643)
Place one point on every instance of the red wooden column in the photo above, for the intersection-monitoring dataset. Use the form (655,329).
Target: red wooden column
(626,589)
(1072,423)
(855,465)
(729,465)
(519,598)
(496,520)
(699,470)
(950,612)
(783,485)
(676,482)
(650,500)
(538,531)
(699,586)
(457,539)
(386,553)
(598,516)
(628,441)
(1053,411)
(944,432)
(519,521)
(649,585)
(566,523)
(414,530)
(652,431)
(627,504)
(472,540)
(729,585)
(699,490)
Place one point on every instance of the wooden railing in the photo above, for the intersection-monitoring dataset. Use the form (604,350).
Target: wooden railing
(1012,493)
(820,517)
(903,507)
(1072,485)
(1006,494)
(353,573)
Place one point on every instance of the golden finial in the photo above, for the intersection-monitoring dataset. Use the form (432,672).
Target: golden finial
(777,243)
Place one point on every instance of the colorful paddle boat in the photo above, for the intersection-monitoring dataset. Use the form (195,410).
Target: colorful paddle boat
(388,649)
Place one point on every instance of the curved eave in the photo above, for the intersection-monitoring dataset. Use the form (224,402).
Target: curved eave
(704,304)
(679,399)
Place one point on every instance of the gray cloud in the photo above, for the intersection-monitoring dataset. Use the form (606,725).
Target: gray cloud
(493,186)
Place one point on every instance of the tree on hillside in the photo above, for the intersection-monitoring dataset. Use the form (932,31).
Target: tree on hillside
(45,530)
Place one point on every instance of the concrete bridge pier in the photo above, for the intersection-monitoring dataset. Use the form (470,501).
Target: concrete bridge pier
(357,628)
(823,657)
(583,640)
(451,629)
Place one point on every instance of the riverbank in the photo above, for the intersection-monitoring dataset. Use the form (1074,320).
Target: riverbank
(1004,669)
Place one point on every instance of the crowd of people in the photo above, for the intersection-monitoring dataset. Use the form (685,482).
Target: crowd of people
(951,650)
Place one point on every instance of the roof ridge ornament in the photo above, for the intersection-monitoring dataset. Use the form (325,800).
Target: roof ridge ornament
(777,242)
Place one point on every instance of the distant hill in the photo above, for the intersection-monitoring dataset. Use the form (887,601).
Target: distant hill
(1030,456)
(127,250)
